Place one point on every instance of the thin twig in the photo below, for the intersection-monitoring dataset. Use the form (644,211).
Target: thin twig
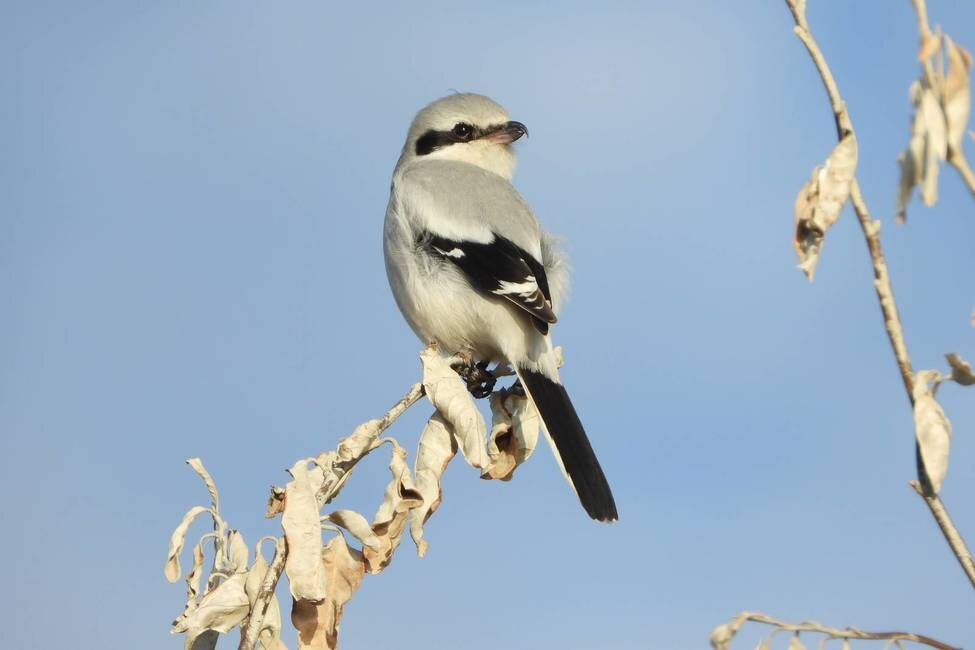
(885,292)
(331,486)
(252,632)
(956,158)
(409,399)
(948,529)
(852,633)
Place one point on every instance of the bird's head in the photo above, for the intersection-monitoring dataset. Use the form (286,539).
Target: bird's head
(467,128)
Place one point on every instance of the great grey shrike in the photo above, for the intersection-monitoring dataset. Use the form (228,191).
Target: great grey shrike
(472,271)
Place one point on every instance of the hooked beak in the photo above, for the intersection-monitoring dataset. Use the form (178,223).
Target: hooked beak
(507,133)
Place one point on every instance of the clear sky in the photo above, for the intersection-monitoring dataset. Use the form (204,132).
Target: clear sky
(191,202)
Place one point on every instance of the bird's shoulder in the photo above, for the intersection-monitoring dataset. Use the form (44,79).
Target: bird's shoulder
(463,201)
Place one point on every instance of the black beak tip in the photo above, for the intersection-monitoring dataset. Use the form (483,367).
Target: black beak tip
(516,129)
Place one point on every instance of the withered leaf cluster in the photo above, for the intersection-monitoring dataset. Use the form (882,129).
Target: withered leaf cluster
(942,102)
(323,576)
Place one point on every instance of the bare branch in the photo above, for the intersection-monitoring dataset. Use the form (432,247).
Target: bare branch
(368,442)
(249,636)
(956,158)
(882,285)
(722,635)
(954,539)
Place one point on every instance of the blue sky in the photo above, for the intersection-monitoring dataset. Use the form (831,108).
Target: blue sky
(191,200)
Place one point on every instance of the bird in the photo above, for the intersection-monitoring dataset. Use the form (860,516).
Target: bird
(472,271)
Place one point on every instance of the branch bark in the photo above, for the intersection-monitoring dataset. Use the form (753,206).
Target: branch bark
(252,632)
(882,285)
(722,635)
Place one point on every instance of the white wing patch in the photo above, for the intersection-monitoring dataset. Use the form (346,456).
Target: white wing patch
(454,252)
(525,289)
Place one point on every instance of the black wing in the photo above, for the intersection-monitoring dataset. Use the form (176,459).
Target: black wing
(500,268)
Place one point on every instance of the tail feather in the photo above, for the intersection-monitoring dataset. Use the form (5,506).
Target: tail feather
(575,453)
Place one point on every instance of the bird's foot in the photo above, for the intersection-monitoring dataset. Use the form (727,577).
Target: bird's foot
(480,381)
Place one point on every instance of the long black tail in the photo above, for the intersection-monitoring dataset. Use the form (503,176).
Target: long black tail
(578,458)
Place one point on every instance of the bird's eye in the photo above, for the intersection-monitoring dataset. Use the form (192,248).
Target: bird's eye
(463,131)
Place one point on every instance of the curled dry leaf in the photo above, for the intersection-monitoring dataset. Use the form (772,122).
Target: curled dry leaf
(193,578)
(219,610)
(337,465)
(820,201)
(514,433)
(957,92)
(238,553)
(448,393)
(318,625)
(270,633)
(437,446)
(275,502)
(356,524)
(961,371)
(399,498)
(926,149)
(202,472)
(722,635)
(303,532)
(932,429)
(177,540)
(359,440)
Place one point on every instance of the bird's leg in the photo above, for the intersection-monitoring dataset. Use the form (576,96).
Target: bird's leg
(480,381)
(517,389)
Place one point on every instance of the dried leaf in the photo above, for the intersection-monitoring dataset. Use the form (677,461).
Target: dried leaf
(337,465)
(934,145)
(448,393)
(961,371)
(400,496)
(359,440)
(910,174)
(795,643)
(177,540)
(957,93)
(202,472)
(925,151)
(514,434)
(219,610)
(437,446)
(193,578)
(721,636)
(270,632)
(303,532)
(318,625)
(820,201)
(238,553)
(932,429)
(275,502)
(356,524)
